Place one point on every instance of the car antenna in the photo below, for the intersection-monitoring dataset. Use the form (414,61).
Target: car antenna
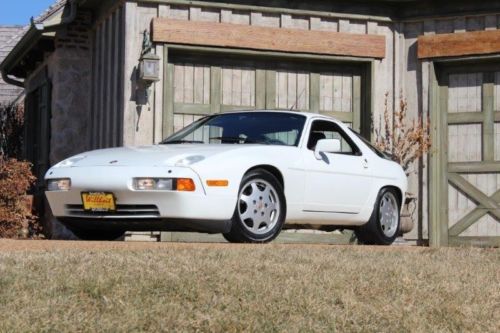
(297,100)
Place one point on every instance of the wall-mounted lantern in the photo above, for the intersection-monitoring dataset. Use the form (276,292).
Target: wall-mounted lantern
(149,67)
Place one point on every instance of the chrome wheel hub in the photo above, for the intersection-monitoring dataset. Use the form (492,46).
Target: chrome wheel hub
(258,206)
(388,214)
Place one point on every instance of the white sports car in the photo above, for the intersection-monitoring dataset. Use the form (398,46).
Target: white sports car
(244,174)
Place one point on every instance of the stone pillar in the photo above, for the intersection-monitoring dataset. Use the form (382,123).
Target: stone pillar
(70,72)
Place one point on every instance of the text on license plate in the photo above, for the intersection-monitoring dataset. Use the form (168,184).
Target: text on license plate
(98,201)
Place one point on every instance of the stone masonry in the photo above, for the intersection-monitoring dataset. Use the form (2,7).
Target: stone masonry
(70,66)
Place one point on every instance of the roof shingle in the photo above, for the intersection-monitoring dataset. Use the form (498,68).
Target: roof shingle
(9,36)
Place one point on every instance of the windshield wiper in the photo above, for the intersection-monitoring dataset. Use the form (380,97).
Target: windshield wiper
(180,141)
(235,139)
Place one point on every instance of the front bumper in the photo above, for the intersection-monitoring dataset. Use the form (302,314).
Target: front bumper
(136,206)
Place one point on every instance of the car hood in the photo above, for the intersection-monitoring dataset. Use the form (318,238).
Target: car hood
(155,155)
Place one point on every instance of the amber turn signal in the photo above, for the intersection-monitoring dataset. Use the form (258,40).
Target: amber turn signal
(218,183)
(185,185)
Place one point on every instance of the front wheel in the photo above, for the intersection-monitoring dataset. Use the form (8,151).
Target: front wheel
(383,226)
(260,210)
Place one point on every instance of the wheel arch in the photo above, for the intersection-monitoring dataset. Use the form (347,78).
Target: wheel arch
(271,169)
(398,191)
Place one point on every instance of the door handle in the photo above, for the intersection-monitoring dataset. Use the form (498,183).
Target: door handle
(365,163)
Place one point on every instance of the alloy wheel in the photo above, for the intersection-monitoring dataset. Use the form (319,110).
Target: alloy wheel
(259,206)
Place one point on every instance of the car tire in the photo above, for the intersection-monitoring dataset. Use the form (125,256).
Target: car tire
(260,209)
(384,223)
(96,235)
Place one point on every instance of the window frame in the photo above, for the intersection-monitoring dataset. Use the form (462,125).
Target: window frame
(355,149)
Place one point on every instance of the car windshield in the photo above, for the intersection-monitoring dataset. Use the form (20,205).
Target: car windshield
(262,127)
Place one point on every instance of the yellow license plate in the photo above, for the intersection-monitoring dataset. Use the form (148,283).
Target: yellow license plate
(98,201)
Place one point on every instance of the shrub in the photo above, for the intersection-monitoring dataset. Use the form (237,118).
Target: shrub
(15,217)
(16,178)
(406,141)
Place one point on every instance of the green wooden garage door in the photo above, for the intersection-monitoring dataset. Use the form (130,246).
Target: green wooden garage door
(469,111)
(201,85)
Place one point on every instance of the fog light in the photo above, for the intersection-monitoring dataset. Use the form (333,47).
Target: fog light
(63,184)
(151,184)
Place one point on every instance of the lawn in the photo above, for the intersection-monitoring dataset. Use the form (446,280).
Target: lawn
(265,288)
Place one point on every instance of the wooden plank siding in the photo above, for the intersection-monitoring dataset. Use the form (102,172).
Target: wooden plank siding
(264,38)
(106,116)
(150,123)
(246,82)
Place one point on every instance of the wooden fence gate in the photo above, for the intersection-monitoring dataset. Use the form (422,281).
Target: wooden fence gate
(465,163)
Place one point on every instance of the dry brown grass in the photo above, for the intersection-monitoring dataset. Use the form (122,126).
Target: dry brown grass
(266,288)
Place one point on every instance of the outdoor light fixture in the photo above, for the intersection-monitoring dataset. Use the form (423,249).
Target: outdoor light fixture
(149,66)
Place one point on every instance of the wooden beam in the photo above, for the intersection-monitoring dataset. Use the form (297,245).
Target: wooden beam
(459,44)
(474,167)
(356,103)
(489,116)
(196,109)
(314,99)
(215,89)
(260,89)
(270,89)
(346,117)
(475,195)
(168,95)
(231,108)
(265,38)
(438,184)
(465,118)
(482,241)
(471,217)
(268,55)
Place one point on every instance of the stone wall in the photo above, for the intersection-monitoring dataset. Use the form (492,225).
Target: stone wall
(70,74)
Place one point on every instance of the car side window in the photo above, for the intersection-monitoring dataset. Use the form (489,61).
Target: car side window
(322,129)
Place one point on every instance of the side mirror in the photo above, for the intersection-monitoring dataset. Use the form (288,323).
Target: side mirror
(327,146)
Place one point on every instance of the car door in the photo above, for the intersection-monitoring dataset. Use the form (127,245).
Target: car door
(338,182)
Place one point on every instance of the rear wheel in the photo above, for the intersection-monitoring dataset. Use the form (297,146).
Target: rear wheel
(260,210)
(383,226)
